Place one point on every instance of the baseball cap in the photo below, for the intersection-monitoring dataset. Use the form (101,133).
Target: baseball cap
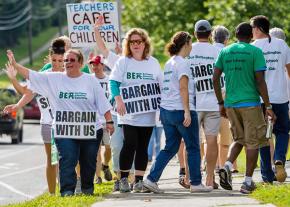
(96,59)
(202,26)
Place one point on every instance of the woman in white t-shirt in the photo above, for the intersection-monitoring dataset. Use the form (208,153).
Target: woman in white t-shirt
(55,56)
(134,68)
(75,99)
(178,115)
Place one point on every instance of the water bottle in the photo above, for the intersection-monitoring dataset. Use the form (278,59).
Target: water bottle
(269,128)
(54,152)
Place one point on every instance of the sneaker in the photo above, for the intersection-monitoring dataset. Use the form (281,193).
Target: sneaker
(124,185)
(200,188)
(99,180)
(107,173)
(116,186)
(247,189)
(139,187)
(181,181)
(78,189)
(215,185)
(153,187)
(226,178)
(281,173)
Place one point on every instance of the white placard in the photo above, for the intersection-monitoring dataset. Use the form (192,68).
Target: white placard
(75,124)
(81,18)
(141,98)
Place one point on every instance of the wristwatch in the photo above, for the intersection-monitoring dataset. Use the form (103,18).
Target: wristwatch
(110,122)
(221,102)
(269,107)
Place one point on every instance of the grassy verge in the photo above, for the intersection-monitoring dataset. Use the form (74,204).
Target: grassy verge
(275,194)
(46,200)
(21,52)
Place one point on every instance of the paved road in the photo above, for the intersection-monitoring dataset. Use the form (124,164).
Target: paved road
(22,167)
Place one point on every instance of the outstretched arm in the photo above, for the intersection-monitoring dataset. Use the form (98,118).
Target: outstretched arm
(26,98)
(99,40)
(11,73)
(21,69)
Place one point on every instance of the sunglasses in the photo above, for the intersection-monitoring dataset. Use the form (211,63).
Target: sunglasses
(72,60)
(133,42)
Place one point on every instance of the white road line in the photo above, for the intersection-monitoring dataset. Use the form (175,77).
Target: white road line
(15,190)
(22,171)
(17,152)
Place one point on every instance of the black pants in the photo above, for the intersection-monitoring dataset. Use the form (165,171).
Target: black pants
(136,140)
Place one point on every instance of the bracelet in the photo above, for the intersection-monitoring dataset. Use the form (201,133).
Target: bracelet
(269,107)
(110,122)
(221,102)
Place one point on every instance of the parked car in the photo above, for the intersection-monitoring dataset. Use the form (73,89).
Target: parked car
(31,110)
(12,123)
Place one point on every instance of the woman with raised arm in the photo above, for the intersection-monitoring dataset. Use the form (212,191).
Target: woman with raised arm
(55,56)
(76,127)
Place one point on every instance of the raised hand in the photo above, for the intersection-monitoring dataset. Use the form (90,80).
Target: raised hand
(10,71)
(99,21)
(11,57)
(118,49)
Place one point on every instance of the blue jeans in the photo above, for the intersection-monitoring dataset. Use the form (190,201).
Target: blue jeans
(117,140)
(154,143)
(281,130)
(70,152)
(174,130)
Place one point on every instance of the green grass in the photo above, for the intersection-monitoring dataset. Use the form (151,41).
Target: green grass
(275,194)
(21,51)
(46,200)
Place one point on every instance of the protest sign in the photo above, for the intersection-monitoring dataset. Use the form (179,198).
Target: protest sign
(203,74)
(81,19)
(75,124)
(141,98)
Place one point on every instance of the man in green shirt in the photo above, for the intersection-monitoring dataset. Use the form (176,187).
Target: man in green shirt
(243,65)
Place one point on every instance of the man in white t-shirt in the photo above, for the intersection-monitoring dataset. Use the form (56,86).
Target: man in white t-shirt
(277,55)
(202,58)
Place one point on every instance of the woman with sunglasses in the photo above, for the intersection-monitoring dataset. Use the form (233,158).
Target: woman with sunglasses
(55,56)
(74,98)
(134,68)
(178,115)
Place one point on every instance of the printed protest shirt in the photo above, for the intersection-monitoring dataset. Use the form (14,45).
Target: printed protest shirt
(277,55)
(74,102)
(202,58)
(130,72)
(175,68)
(239,62)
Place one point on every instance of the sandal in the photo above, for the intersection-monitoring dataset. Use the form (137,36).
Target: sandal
(181,181)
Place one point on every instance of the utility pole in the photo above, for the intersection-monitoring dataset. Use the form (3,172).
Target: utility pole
(29,32)
(59,18)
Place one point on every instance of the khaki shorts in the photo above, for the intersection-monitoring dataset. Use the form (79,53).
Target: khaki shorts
(225,136)
(210,122)
(248,126)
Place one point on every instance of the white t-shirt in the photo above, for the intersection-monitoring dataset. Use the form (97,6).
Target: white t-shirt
(202,58)
(105,85)
(71,96)
(111,60)
(174,69)
(129,72)
(277,55)
(46,115)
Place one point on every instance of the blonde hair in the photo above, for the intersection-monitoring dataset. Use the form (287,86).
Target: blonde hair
(144,35)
